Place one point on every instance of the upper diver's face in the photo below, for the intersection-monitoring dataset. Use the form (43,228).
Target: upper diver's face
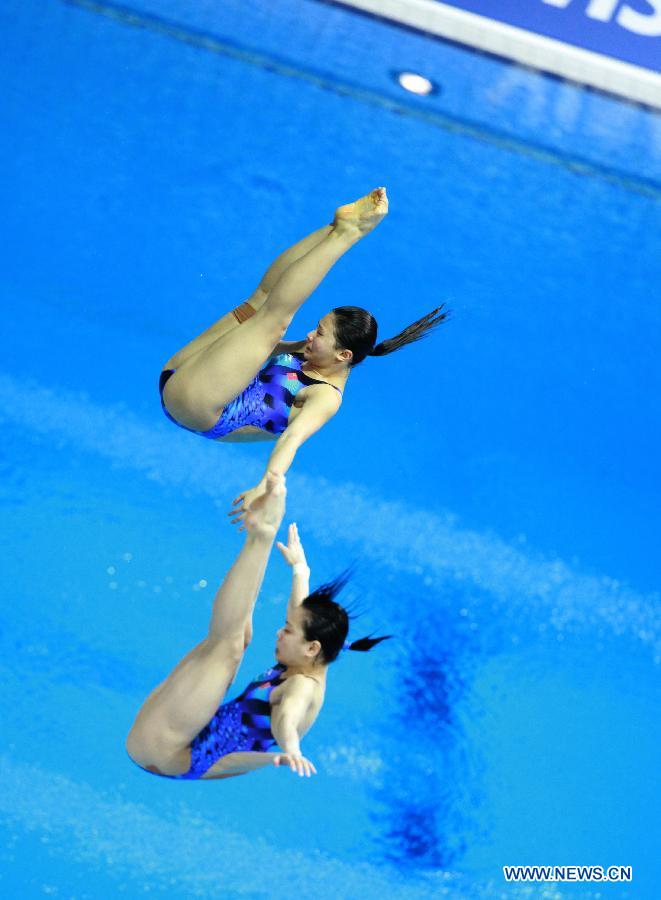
(321,348)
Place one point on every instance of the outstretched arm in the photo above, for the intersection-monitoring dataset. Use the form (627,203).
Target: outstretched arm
(300,571)
(244,761)
(287,719)
(320,406)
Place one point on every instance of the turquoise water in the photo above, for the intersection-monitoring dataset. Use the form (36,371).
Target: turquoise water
(496,484)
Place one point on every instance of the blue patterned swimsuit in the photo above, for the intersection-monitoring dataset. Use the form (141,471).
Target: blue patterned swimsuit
(242,724)
(267,401)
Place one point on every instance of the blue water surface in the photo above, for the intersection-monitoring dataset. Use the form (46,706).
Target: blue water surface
(495,484)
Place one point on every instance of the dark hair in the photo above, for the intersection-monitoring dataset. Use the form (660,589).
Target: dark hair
(328,622)
(355,330)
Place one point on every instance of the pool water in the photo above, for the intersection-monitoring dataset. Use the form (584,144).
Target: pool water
(495,484)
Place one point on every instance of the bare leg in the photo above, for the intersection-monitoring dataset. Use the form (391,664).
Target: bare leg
(228,321)
(177,710)
(206,382)
(290,256)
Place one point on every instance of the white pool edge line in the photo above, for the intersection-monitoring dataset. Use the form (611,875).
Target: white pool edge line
(524,47)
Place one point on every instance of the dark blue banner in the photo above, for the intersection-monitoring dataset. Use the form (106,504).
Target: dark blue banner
(628,30)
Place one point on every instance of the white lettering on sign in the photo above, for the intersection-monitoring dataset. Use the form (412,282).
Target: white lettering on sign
(596,9)
(602,9)
(648,24)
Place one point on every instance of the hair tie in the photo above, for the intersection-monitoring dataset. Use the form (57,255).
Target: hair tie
(346,646)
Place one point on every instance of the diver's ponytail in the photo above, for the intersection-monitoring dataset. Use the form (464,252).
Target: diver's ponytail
(413,333)
(356,330)
(365,644)
(326,621)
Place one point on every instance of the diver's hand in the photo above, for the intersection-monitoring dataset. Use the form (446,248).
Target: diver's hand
(293,553)
(242,504)
(296,763)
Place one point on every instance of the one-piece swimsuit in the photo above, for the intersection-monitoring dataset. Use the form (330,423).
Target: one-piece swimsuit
(265,403)
(242,724)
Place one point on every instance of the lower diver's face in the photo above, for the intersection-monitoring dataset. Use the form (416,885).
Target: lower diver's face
(291,643)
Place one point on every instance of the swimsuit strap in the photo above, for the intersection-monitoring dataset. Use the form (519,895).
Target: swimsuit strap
(314,380)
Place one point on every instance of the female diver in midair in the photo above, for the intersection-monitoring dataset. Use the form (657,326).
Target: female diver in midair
(184,730)
(239,381)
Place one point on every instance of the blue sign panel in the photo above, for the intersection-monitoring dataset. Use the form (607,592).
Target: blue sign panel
(628,30)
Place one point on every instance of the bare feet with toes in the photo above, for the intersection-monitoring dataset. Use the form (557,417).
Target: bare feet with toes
(267,511)
(363,215)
